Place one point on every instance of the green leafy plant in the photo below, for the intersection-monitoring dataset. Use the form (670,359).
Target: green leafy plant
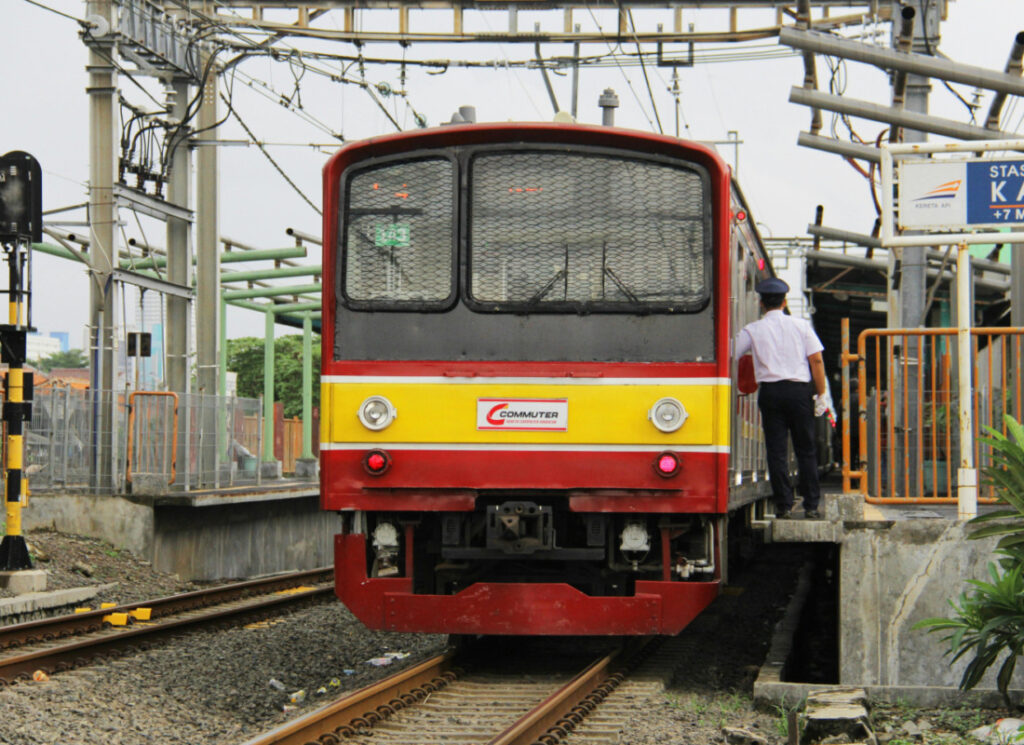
(1006,474)
(73,358)
(734,702)
(961,721)
(988,620)
(782,713)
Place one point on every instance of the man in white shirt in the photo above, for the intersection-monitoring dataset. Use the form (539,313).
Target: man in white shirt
(787,358)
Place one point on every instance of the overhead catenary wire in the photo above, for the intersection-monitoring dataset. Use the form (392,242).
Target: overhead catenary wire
(255,48)
(643,67)
(710,55)
(508,70)
(264,89)
(269,157)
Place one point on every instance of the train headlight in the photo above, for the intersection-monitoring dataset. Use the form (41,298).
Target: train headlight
(376,413)
(667,414)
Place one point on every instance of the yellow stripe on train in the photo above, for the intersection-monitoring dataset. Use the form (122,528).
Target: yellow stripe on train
(597,413)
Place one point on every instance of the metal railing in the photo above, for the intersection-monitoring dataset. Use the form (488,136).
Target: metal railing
(906,408)
(155,441)
(749,460)
(152,452)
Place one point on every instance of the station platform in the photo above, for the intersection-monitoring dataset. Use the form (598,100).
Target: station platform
(203,535)
(896,565)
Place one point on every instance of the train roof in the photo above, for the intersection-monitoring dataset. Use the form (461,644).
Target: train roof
(526,132)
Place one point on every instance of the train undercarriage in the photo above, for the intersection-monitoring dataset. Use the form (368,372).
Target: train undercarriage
(525,563)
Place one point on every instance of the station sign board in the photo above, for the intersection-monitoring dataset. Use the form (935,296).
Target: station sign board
(960,194)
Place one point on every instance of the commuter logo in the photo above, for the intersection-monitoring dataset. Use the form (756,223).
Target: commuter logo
(523,414)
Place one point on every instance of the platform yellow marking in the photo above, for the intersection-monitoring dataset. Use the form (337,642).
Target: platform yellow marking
(872,513)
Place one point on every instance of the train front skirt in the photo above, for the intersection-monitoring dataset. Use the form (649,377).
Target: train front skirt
(512,608)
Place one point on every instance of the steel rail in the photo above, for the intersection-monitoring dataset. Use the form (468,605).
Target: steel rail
(66,656)
(403,686)
(547,722)
(547,715)
(33,632)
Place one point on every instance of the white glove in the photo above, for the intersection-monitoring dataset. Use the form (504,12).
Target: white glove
(823,403)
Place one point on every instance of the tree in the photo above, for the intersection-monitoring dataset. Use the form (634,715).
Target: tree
(245,357)
(70,358)
(988,620)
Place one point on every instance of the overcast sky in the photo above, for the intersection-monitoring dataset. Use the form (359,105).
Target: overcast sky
(45,112)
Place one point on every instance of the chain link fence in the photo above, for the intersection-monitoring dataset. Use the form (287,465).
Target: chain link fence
(142,442)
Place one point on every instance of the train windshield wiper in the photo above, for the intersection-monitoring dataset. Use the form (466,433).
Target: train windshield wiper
(623,288)
(539,295)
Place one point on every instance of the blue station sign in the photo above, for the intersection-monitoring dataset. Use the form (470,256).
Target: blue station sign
(995,192)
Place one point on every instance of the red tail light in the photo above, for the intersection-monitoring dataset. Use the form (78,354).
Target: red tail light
(376,462)
(666,465)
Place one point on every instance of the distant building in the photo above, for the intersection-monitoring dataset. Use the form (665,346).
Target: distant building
(38,346)
(62,337)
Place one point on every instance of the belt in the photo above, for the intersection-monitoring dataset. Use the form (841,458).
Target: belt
(787,382)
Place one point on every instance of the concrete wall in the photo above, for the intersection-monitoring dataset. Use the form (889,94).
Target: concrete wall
(120,522)
(228,538)
(892,575)
(244,540)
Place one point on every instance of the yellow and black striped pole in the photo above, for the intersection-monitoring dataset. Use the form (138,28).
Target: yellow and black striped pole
(13,550)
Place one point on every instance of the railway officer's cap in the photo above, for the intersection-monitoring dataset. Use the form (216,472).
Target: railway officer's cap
(773,286)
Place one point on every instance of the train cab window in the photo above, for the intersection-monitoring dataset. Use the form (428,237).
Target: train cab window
(568,232)
(398,236)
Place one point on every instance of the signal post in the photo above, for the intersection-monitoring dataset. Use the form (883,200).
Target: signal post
(20,225)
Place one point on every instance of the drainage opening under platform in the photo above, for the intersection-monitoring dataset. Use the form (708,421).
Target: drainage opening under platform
(805,646)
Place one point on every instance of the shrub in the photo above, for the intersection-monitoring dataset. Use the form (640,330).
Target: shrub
(988,620)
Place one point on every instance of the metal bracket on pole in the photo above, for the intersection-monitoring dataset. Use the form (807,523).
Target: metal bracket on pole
(152,283)
(151,206)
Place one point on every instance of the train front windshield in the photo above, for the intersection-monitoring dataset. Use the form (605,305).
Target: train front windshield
(535,233)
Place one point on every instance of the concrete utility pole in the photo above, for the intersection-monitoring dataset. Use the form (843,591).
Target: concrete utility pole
(179,248)
(913,282)
(208,268)
(102,236)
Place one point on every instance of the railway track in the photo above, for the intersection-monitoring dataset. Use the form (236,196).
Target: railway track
(60,643)
(435,702)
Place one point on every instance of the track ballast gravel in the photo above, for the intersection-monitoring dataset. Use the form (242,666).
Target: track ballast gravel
(209,688)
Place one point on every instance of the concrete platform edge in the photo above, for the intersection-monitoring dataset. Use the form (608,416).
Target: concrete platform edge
(35,601)
(790,694)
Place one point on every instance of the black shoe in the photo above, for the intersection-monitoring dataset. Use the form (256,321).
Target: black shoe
(812,515)
(784,514)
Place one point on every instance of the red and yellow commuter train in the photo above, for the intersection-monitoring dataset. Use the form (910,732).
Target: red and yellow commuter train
(529,424)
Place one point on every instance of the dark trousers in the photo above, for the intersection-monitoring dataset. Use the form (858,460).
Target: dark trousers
(787,410)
